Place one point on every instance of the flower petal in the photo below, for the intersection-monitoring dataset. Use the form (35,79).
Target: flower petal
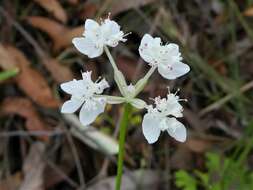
(71,105)
(170,106)
(172,50)
(176,129)
(89,113)
(101,85)
(74,87)
(145,48)
(173,71)
(88,47)
(90,25)
(92,31)
(110,27)
(150,129)
(111,33)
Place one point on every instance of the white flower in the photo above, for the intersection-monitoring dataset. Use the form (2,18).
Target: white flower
(96,36)
(162,118)
(83,93)
(166,57)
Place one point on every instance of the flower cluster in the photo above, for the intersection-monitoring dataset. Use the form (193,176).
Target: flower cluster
(88,94)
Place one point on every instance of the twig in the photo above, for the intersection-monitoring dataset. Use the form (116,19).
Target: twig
(53,166)
(225,99)
(26,35)
(76,158)
(22,133)
(61,173)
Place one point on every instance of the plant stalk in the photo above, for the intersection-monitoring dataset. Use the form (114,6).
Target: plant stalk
(118,76)
(122,137)
(115,68)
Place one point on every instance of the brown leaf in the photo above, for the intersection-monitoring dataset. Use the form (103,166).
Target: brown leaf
(29,80)
(11,182)
(60,34)
(248,12)
(33,168)
(24,108)
(54,7)
(219,66)
(89,10)
(122,5)
(198,145)
(59,72)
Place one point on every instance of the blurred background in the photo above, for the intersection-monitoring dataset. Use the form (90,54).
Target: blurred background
(40,149)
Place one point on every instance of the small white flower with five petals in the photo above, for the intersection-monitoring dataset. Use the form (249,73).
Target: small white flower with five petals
(96,36)
(163,118)
(166,58)
(83,93)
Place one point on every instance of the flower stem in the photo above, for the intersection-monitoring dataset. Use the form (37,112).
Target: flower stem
(122,137)
(118,76)
(142,82)
(149,73)
(110,58)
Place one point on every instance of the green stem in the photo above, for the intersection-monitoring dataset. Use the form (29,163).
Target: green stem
(122,137)
(118,76)
(142,82)
(115,68)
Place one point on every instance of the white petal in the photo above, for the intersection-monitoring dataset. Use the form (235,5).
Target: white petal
(88,47)
(71,105)
(157,41)
(87,77)
(111,33)
(88,114)
(74,87)
(145,48)
(110,27)
(171,106)
(101,85)
(150,129)
(92,31)
(173,71)
(172,50)
(176,129)
(91,25)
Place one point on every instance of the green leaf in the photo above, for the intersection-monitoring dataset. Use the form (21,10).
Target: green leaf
(212,162)
(204,177)
(185,181)
(8,74)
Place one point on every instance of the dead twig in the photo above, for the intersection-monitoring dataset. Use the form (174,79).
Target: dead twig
(76,158)
(22,133)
